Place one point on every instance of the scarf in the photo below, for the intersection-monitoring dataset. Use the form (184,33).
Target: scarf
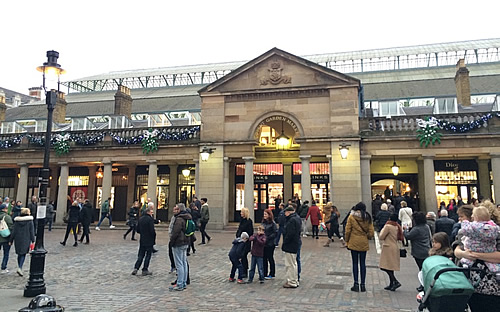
(400,229)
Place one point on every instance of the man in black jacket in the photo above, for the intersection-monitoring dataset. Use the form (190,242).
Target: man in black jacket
(291,242)
(146,228)
(444,224)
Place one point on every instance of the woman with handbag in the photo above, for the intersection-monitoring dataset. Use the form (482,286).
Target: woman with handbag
(133,218)
(359,230)
(22,236)
(390,255)
(421,239)
(73,219)
(316,218)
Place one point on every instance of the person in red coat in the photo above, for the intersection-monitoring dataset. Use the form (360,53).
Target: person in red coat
(316,218)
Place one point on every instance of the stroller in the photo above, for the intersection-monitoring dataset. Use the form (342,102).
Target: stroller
(446,287)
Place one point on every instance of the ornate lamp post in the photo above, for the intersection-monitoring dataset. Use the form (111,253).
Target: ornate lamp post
(36,282)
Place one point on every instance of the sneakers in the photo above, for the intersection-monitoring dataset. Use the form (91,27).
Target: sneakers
(261,281)
(249,281)
(134,272)
(231,279)
(269,277)
(112,226)
(146,272)
(75,244)
(304,235)
(19,272)
(172,270)
(176,287)
(286,285)
(240,281)
(5,271)
(97,228)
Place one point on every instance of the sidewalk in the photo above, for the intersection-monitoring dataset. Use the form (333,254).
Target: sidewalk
(96,277)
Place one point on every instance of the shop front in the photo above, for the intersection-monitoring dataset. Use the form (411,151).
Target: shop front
(456,178)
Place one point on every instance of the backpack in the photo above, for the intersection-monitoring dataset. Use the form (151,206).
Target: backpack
(190,228)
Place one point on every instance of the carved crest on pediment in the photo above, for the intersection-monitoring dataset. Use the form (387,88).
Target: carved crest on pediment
(275,75)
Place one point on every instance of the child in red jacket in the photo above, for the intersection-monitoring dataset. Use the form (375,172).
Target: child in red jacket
(259,241)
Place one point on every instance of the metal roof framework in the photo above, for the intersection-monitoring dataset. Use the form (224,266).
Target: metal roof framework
(431,55)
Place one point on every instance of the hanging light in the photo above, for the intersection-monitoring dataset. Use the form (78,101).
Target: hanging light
(186,172)
(99,173)
(395,167)
(282,141)
(205,153)
(344,150)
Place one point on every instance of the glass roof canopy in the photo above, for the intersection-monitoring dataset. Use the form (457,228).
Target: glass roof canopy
(431,55)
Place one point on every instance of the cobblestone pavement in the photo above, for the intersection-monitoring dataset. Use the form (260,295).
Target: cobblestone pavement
(97,277)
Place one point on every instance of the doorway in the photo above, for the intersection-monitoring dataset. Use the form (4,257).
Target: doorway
(261,201)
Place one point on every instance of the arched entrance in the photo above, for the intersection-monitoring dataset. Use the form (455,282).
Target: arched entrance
(388,185)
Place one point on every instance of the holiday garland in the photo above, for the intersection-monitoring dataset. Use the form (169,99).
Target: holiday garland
(150,141)
(61,144)
(428,132)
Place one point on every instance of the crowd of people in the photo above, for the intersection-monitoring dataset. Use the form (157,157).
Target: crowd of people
(467,234)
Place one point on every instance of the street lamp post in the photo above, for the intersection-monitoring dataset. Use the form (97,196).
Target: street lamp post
(36,282)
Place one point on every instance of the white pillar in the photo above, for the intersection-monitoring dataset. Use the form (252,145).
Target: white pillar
(249,185)
(495,168)
(22,186)
(305,178)
(225,195)
(366,183)
(484,178)
(107,181)
(62,193)
(196,177)
(431,203)
(173,186)
(330,179)
(153,181)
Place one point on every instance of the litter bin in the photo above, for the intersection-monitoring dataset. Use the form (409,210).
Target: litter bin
(42,303)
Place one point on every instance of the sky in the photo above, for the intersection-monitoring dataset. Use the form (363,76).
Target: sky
(97,37)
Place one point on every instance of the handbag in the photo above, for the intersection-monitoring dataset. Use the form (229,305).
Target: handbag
(402,253)
(65,217)
(4,228)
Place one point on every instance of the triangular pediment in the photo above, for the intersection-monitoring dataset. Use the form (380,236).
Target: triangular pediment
(278,70)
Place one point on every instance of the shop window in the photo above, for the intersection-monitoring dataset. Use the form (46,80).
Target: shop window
(77,180)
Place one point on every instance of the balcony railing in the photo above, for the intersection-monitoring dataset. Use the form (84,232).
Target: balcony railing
(404,125)
(109,137)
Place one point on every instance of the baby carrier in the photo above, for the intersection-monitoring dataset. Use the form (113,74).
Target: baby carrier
(446,287)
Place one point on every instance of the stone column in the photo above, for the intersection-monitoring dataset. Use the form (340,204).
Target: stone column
(305,178)
(53,183)
(495,167)
(287,183)
(484,178)
(22,186)
(366,182)
(173,186)
(430,203)
(153,182)
(196,176)
(131,185)
(225,195)
(92,186)
(62,193)
(330,190)
(249,185)
(107,180)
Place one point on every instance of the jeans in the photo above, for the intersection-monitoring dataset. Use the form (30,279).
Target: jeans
(180,257)
(304,225)
(244,263)
(203,225)
(236,264)
(280,232)
(419,262)
(86,231)
(69,227)
(20,260)
(315,230)
(6,249)
(103,216)
(259,261)
(359,257)
(269,258)
(49,222)
(130,229)
(144,254)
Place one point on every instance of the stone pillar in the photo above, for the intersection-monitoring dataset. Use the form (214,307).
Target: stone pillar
(366,182)
(22,186)
(421,184)
(196,176)
(107,181)
(495,168)
(287,183)
(92,186)
(484,178)
(173,186)
(305,178)
(131,185)
(462,83)
(153,182)
(53,183)
(123,102)
(225,195)
(430,203)
(330,190)
(249,185)
(62,193)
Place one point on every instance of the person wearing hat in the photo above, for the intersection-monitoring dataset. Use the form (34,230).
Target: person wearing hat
(235,254)
(4,241)
(290,246)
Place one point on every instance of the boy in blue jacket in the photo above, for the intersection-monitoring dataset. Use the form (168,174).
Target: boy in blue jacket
(235,255)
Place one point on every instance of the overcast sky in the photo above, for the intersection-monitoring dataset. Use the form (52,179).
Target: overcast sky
(95,37)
